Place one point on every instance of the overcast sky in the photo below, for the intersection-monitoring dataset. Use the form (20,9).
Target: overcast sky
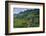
(18,10)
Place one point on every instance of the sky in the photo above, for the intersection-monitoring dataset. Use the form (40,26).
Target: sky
(18,10)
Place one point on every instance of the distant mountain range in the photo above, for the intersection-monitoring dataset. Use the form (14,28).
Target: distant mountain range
(27,13)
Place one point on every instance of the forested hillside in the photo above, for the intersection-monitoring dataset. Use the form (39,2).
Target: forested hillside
(27,18)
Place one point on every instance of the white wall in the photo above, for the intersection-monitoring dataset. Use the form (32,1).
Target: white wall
(2,18)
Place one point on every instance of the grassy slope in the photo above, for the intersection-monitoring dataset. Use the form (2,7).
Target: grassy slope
(28,19)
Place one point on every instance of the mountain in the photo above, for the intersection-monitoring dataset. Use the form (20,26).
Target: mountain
(27,13)
(27,18)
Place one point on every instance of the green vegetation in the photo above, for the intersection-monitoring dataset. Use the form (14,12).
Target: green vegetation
(28,18)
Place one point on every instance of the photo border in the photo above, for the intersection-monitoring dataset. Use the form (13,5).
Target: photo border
(6,18)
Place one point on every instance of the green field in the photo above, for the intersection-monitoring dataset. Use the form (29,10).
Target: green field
(28,18)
